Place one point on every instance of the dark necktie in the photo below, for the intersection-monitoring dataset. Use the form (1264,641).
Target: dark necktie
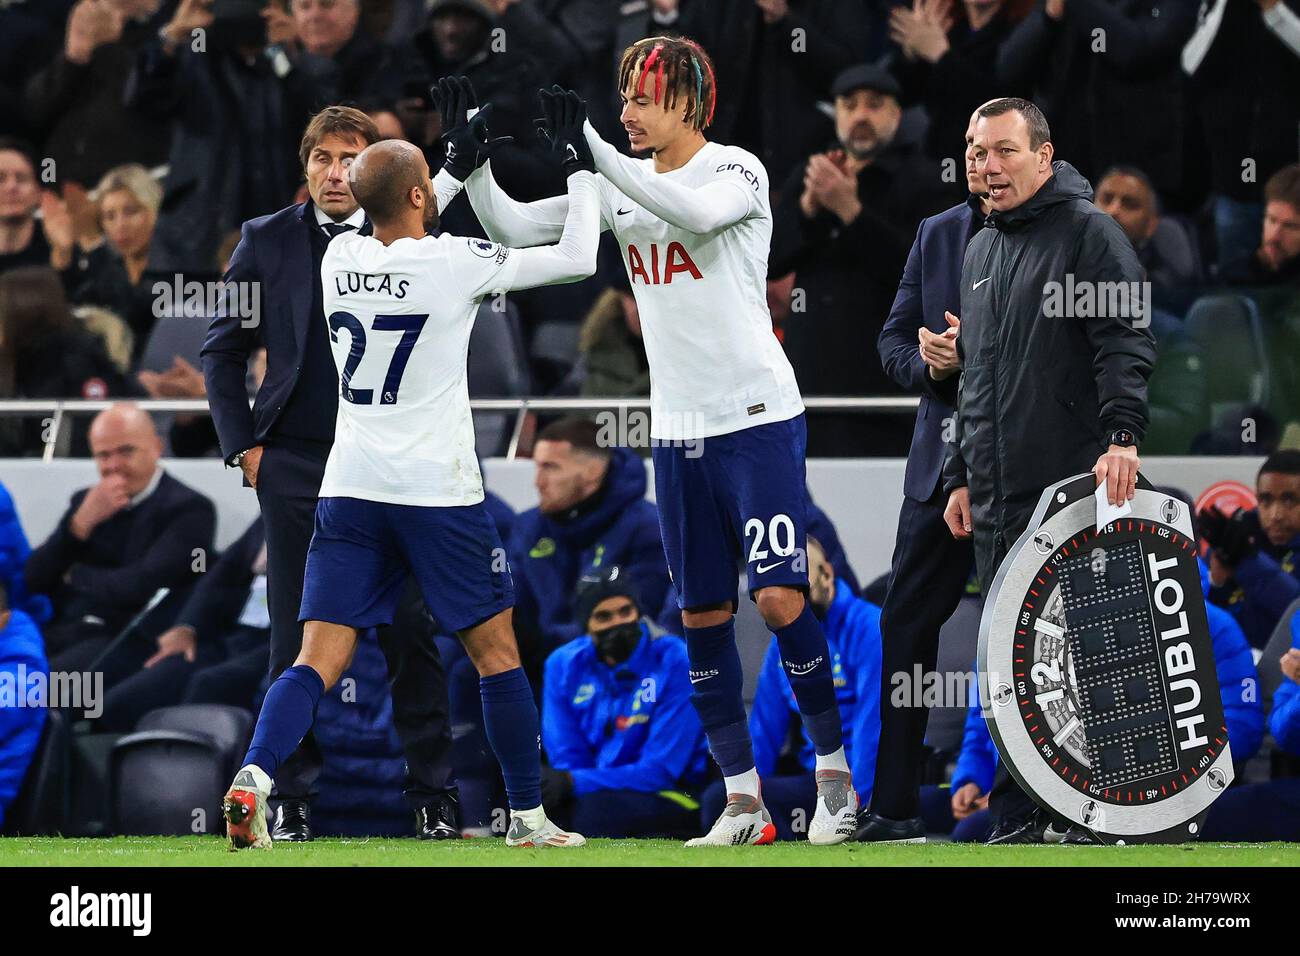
(336,228)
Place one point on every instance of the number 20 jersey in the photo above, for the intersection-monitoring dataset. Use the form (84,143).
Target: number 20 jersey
(399,319)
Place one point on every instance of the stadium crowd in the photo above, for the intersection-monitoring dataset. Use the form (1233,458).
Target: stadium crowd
(138,135)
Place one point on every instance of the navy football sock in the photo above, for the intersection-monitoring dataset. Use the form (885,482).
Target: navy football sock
(287,714)
(716,681)
(510,721)
(807,663)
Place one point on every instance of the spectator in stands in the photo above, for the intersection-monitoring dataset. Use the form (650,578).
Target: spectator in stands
(1132,83)
(591,514)
(775,60)
(949,62)
(133,532)
(611,348)
(1244,53)
(1165,250)
(326,39)
(214,653)
(852,628)
(77,100)
(843,224)
(1277,259)
(1253,554)
(23,668)
(46,353)
(458,40)
(115,274)
(25,240)
(1269,810)
(228,162)
(30,34)
(625,748)
(14,551)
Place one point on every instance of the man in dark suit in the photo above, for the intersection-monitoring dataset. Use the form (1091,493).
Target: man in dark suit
(133,532)
(930,568)
(281,446)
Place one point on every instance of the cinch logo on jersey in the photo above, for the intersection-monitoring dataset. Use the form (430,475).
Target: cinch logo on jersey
(345,282)
(750,177)
(1167,602)
(74,909)
(675,258)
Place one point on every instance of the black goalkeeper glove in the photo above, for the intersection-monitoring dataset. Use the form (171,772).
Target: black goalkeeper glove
(467,141)
(1232,538)
(560,125)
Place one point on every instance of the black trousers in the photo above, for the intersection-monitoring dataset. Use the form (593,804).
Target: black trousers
(926,582)
(287,486)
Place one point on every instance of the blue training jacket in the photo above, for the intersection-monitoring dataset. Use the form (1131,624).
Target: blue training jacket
(852,627)
(14,551)
(630,727)
(1238,689)
(1261,589)
(20,727)
(548,556)
(1284,721)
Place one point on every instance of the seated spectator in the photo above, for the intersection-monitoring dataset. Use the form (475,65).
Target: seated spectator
(949,62)
(14,551)
(115,274)
(852,628)
(1166,251)
(1242,712)
(611,348)
(1269,810)
(46,353)
(1277,259)
(77,100)
(592,513)
(844,222)
(25,240)
(22,663)
(216,652)
(625,747)
(1253,553)
(135,531)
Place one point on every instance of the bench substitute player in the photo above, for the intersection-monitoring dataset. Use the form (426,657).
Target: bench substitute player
(402,488)
(694,226)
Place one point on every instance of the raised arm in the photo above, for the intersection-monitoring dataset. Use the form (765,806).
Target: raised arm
(717,204)
(573,258)
(511,222)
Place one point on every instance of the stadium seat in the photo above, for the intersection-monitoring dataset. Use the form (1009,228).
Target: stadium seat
(498,368)
(166,783)
(41,805)
(1228,330)
(958,645)
(172,336)
(554,348)
(1270,671)
(168,776)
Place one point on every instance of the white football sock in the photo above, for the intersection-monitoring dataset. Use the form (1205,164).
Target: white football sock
(835,761)
(746,783)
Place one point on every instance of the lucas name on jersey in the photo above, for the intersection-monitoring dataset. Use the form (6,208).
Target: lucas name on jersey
(353,282)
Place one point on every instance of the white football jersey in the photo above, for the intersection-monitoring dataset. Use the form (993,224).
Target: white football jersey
(716,365)
(399,322)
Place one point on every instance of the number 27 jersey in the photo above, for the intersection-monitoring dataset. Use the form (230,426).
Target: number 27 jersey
(400,318)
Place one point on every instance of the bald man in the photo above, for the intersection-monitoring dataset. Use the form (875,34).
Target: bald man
(402,493)
(136,530)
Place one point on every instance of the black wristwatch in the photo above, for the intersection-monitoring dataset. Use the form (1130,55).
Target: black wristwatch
(1123,437)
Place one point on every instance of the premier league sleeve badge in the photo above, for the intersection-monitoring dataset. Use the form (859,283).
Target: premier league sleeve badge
(1097,671)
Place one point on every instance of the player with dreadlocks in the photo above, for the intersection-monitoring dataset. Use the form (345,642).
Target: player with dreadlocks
(694,225)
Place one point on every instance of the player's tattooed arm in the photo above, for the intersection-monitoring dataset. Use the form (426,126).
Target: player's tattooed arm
(714,206)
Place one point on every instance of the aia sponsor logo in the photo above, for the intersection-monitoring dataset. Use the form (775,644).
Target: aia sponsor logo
(674,259)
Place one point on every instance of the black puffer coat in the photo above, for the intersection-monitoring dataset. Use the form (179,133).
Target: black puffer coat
(1046,375)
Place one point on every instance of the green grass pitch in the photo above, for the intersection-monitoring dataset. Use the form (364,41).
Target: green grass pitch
(204,851)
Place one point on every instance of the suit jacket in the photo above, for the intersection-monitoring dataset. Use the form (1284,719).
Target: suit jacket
(218,599)
(930,286)
(113,573)
(274,252)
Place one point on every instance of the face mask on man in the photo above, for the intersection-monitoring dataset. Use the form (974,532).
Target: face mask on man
(618,642)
